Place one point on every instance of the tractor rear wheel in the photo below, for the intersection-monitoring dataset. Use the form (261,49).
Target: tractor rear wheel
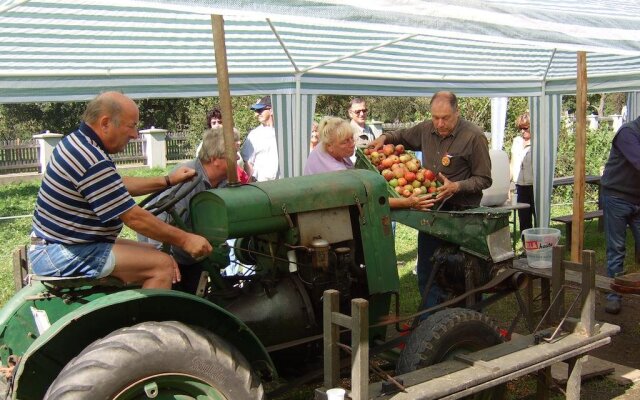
(161,360)
(445,334)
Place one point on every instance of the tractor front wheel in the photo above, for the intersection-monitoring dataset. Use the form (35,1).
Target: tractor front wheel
(445,334)
(160,360)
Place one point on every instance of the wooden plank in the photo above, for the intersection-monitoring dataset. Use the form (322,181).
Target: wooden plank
(360,349)
(577,233)
(593,367)
(603,283)
(330,338)
(473,379)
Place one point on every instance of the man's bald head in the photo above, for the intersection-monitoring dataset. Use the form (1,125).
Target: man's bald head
(110,104)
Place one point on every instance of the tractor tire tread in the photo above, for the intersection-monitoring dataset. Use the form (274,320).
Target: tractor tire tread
(124,356)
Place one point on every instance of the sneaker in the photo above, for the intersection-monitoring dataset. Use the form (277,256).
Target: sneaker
(613,306)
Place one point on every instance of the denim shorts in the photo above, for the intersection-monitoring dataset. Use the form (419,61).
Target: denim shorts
(91,260)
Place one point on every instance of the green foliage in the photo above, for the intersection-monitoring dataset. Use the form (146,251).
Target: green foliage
(244,119)
(170,114)
(22,121)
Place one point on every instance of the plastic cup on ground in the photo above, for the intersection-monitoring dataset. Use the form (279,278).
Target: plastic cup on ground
(538,244)
(336,394)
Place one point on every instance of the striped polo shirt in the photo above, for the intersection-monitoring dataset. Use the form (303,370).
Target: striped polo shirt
(82,195)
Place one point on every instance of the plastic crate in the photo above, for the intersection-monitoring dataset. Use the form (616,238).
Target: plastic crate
(362,162)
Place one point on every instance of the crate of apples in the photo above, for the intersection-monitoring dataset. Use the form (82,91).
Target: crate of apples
(403,171)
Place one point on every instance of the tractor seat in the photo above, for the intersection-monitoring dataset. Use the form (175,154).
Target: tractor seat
(77,281)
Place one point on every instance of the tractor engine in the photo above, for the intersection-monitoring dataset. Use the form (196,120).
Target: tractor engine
(299,242)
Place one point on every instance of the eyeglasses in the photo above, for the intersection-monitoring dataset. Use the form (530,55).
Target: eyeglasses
(362,111)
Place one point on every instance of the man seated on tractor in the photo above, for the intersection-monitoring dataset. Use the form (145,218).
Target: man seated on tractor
(83,203)
(211,165)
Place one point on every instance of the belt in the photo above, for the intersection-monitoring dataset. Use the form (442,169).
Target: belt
(38,241)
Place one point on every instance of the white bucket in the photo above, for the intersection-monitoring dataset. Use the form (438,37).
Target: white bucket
(336,394)
(538,243)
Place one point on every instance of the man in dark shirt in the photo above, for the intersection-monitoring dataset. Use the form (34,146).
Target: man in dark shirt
(621,201)
(457,151)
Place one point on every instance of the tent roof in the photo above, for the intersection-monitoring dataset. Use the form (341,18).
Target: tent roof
(70,49)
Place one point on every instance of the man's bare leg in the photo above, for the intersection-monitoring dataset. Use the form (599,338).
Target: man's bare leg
(143,263)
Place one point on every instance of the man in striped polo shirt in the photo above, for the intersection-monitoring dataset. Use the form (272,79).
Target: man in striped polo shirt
(83,203)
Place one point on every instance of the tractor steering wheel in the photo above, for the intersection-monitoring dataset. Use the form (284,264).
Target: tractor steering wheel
(175,195)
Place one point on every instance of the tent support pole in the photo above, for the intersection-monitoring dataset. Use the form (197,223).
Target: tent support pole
(297,123)
(222,76)
(577,229)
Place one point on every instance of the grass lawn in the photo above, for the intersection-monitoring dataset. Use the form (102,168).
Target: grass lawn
(15,225)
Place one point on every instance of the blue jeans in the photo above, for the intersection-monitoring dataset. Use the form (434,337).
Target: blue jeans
(619,213)
(91,260)
(427,246)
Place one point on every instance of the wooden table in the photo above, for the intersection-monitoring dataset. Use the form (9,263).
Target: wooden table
(588,179)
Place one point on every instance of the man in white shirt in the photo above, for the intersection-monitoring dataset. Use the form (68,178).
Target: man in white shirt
(362,133)
(260,150)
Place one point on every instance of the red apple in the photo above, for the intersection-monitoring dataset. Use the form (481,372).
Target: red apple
(402,182)
(407,193)
(399,149)
(428,174)
(431,189)
(388,149)
(387,162)
(410,176)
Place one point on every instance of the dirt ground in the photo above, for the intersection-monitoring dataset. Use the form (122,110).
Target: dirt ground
(624,347)
(622,350)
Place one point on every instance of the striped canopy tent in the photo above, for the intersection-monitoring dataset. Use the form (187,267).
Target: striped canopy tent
(63,50)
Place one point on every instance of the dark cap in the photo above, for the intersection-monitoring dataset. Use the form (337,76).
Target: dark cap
(262,103)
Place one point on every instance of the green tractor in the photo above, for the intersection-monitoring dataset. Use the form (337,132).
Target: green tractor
(80,339)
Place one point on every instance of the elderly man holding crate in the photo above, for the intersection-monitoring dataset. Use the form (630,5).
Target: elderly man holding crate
(83,203)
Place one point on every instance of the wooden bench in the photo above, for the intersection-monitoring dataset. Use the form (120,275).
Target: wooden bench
(568,221)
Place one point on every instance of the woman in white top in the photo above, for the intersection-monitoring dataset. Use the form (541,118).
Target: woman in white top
(522,171)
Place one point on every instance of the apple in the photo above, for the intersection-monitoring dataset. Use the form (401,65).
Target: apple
(394,158)
(387,162)
(428,174)
(402,181)
(388,174)
(426,183)
(410,176)
(399,149)
(416,184)
(388,149)
(380,167)
(412,165)
(417,191)
(420,176)
(367,151)
(407,193)
(408,187)
(431,189)
(405,157)
(399,172)
(423,189)
(399,189)
(394,182)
